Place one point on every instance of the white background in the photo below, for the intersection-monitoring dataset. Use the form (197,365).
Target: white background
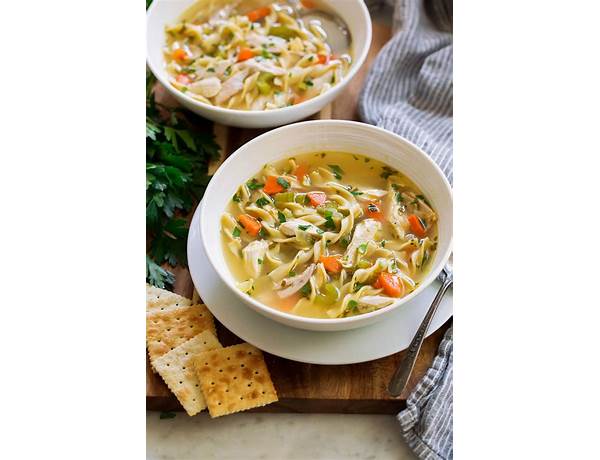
(526,227)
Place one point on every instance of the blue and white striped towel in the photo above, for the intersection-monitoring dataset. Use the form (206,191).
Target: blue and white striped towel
(409,91)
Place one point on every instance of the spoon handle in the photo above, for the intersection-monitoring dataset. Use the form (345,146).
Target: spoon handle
(402,374)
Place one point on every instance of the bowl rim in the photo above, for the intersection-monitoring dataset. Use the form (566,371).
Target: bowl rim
(288,317)
(355,67)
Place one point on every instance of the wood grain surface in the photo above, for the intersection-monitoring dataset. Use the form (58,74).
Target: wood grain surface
(354,388)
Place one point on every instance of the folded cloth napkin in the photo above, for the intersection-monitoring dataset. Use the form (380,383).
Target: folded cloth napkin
(409,91)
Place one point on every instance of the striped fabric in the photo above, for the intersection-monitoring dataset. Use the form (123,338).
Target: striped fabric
(409,91)
(409,87)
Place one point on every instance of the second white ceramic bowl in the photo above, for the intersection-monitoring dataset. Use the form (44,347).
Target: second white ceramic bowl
(314,136)
(163,12)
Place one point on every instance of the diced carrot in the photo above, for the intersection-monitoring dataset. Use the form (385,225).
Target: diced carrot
(258,13)
(373,211)
(301,171)
(272,186)
(390,283)
(323,59)
(307,4)
(244,54)
(183,79)
(298,99)
(317,198)
(331,264)
(250,224)
(416,226)
(180,54)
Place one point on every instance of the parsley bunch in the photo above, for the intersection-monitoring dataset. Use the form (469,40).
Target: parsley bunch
(177,159)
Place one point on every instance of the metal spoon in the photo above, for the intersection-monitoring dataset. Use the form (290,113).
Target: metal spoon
(330,25)
(402,374)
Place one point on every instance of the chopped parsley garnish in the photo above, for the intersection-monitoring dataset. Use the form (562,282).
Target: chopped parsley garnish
(356,192)
(357,286)
(236,198)
(352,305)
(262,232)
(184,89)
(227,71)
(306,290)
(189,70)
(308,82)
(329,222)
(345,241)
(337,171)
(236,232)
(422,198)
(399,198)
(281,181)
(262,201)
(291,273)
(281,217)
(387,172)
(210,69)
(260,261)
(254,184)
(362,248)
(319,231)
(265,54)
(303,227)
(383,243)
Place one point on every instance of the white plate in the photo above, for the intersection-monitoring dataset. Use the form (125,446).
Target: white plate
(384,338)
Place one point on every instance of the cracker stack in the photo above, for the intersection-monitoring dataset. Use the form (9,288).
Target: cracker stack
(184,350)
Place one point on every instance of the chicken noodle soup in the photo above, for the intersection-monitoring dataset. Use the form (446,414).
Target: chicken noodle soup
(328,235)
(244,56)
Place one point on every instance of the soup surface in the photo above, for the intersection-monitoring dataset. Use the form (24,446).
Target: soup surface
(244,56)
(328,235)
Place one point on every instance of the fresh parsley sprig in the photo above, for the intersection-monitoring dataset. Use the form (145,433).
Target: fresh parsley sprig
(177,159)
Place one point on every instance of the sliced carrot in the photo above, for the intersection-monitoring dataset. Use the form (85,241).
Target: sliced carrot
(307,4)
(298,99)
(258,13)
(323,59)
(301,171)
(180,54)
(250,224)
(416,226)
(183,79)
(317,198)
(244,54)
(373,211)
(331,264)
(391,284)
(272,186)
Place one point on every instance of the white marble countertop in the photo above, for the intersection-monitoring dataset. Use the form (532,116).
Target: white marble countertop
(275,436)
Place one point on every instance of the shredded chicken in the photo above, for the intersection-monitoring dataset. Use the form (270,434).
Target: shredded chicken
(207,87)
(293,284)
(364,232)
(291,227)
(232,86)
(254,256)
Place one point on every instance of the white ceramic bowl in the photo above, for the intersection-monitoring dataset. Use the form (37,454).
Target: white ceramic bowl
(163,12)
(311,136)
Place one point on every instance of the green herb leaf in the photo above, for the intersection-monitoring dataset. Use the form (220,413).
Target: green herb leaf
(387,172)
(303,227)
(352,305)
(337,171)
(262,201)
(362,248)
(281,181)
(281,217)
(236,198)
(158,276)
(291,273)
(254,184)
(236,232)
(262,233)
(306,290)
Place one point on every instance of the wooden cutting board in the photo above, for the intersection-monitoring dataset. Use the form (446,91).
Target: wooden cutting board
(354,388)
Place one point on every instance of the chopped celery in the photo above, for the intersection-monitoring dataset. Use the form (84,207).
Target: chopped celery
(263,82)
(283,32)
(286,197)
(363,263)
(328,295)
